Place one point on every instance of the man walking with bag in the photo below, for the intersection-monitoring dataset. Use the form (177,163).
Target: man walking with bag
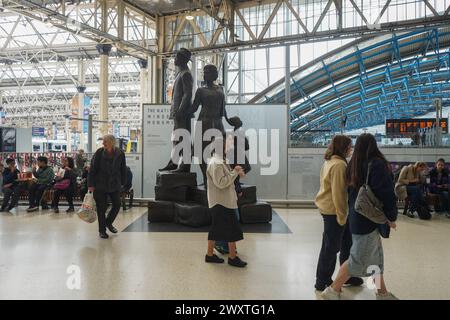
(106,177)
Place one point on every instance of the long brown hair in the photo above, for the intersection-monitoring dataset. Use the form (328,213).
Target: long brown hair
(338,147)
(366,150)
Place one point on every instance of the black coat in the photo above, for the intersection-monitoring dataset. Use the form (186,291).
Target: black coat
(380,181)
(108,173)
(10,176)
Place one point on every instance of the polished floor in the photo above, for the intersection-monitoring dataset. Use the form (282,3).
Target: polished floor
(37,249)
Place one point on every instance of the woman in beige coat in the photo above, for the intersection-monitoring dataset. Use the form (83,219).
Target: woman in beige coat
(332,201)
(411,177)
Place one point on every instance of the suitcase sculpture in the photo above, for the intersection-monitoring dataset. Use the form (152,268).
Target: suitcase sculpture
(178,199)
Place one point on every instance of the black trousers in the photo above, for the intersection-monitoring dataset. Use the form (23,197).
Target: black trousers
(181,123)
(12,193)
(68,193)
(35,194)
(335,238)
(101,201)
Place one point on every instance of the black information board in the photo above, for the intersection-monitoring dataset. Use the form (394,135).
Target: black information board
(407,127)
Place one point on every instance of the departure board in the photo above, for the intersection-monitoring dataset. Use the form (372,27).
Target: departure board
(407,127)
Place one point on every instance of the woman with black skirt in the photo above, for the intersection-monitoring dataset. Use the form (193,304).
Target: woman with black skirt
(222,200)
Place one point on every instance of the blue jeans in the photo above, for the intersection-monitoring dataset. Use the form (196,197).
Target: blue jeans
(224,244)
(416,196)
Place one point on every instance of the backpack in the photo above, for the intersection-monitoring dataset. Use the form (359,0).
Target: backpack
(423,212)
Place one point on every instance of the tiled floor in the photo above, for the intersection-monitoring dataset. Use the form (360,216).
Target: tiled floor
(36,250)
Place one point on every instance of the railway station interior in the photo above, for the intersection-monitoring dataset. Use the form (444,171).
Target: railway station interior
(331,114)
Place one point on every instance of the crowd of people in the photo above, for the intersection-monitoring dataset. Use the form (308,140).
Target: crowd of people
(346,231)
(354,235)
(72,177)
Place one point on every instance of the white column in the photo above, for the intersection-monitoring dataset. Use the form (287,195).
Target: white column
(104,50)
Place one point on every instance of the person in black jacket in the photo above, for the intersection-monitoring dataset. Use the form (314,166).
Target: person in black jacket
(11,188)
(126,188)
(84,183)
(439,184)
(70,175)
(366,253)
(107,175)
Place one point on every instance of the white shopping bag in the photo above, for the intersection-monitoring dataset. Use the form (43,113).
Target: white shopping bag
(88,210)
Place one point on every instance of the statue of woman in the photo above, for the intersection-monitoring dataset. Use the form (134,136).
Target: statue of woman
(212,100)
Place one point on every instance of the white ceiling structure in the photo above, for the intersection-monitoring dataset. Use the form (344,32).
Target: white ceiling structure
(41,66)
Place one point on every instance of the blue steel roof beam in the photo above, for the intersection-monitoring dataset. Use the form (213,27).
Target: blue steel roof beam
(308,97)
(410,109)
(409,62)
(428,102)
(386,72)
(362,67)
(399,97)
(429,40)
(396,49)
(333,85)
(436,42)
(367,49)
(358,82)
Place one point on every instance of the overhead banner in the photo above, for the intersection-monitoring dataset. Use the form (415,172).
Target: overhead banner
(38,132)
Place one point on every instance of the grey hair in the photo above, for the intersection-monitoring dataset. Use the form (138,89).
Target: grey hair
(109,137)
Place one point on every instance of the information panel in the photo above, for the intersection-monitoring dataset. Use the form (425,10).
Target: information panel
(408,127)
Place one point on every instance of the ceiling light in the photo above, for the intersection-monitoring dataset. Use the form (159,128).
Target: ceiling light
(189,16)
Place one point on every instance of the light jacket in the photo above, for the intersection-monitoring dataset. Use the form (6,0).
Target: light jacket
(221,183)
(332,198)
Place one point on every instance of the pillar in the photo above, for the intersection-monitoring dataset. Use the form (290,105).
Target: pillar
(145,93)
(81,89)
(144,80)
(104,50)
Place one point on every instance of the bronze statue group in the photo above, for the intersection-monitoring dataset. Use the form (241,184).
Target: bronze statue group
(220,177)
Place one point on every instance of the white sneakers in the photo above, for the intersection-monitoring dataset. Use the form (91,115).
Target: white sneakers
(386,296)
(13,210)
(330,294)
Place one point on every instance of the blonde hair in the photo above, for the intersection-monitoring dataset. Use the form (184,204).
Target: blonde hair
(420,164)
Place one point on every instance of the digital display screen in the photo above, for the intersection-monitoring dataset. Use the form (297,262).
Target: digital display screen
(407,127)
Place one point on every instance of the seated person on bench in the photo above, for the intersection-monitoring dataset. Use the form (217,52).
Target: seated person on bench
(11,189)
(126,188)
(66,182)
(439,184)
(43,178)
(411,176)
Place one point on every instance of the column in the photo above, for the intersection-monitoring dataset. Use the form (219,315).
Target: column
(145,93)
(81,124)
(104,50)
(144,80)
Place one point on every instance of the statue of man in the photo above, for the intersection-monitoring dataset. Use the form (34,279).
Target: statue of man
(180,110)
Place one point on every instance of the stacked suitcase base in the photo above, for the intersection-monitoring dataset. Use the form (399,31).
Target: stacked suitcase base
(178,199)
